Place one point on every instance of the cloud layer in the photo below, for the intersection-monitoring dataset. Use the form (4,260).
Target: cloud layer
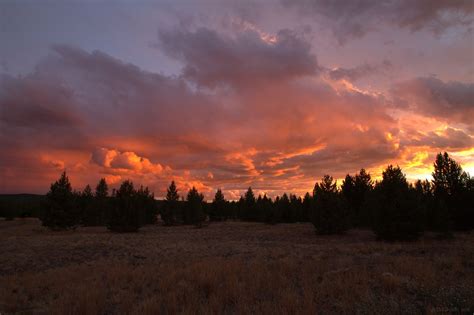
(248,108)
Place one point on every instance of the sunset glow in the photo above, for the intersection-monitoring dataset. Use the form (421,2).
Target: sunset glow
(230,94)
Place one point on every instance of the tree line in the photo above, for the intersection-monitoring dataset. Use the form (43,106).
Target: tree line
(392,207)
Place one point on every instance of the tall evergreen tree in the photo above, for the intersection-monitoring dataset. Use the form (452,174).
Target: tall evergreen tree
(248,211)
(102,189)
(328,215)
(146,202)
(451,193)
(169,212)
(296,209)
(87,207)
(60,210)
(307,201)
(397,216)
(194,208)
(127,214)
(218,207)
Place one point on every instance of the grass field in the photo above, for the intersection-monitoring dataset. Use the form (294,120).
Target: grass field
(229,267)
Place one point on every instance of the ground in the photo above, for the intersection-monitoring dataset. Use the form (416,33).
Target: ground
(229,267)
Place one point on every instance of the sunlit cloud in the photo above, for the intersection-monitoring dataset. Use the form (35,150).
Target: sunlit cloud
(266,100)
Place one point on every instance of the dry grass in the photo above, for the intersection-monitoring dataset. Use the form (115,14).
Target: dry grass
(231,267)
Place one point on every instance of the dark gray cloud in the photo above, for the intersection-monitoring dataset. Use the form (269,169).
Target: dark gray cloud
(450,101)
(449,139)
(361,71)
(354,19)
(212,58)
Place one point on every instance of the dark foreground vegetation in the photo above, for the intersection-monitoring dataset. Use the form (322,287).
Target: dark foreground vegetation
(393,208)
(230,268)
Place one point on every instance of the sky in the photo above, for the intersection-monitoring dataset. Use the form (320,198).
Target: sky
(271,94)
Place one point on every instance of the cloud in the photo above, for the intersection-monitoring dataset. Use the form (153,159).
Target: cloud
(354,19)
(447,101)
(447,139)
(276,130)
(211,58)
(117,160)
(359,72)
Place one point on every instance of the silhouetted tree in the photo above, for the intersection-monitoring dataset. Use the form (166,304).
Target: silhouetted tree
(102,189)
(285,209)
(329,215)
(218,207)
(424,200)
(453,202)
(397,215)
(101,203)
(89,215)
(266,209)
(146,202)
(275,213)
(307,202)
(194,213)
(355,190)
(248,206)
(169,211)
(60,210)
(126,213)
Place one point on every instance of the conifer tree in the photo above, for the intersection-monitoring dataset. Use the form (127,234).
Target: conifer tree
(248,211)
(102,189)
(87,207)
(169,212)
(127,214)
(397,216)
(194,208)
(328,215)
(453,202)
(307,201)
(218,207)
(60,210)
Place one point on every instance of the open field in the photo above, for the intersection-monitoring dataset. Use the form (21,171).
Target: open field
(230,267)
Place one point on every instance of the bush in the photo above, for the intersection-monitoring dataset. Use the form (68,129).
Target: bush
(328,215)
(60,210)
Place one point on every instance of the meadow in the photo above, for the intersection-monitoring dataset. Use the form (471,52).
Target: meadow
(230,268)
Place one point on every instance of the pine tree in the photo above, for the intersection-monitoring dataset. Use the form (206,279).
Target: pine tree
(169,212)
(248,212)
(146,201)
(127,214)
(451,194)
(194,208)
(102,190)
(307,201)
(60,210)
(397,216)
(328,215)
(285,209)
(88,211)
(218,207)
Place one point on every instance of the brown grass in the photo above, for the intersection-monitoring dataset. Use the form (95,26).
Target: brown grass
(230,267)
